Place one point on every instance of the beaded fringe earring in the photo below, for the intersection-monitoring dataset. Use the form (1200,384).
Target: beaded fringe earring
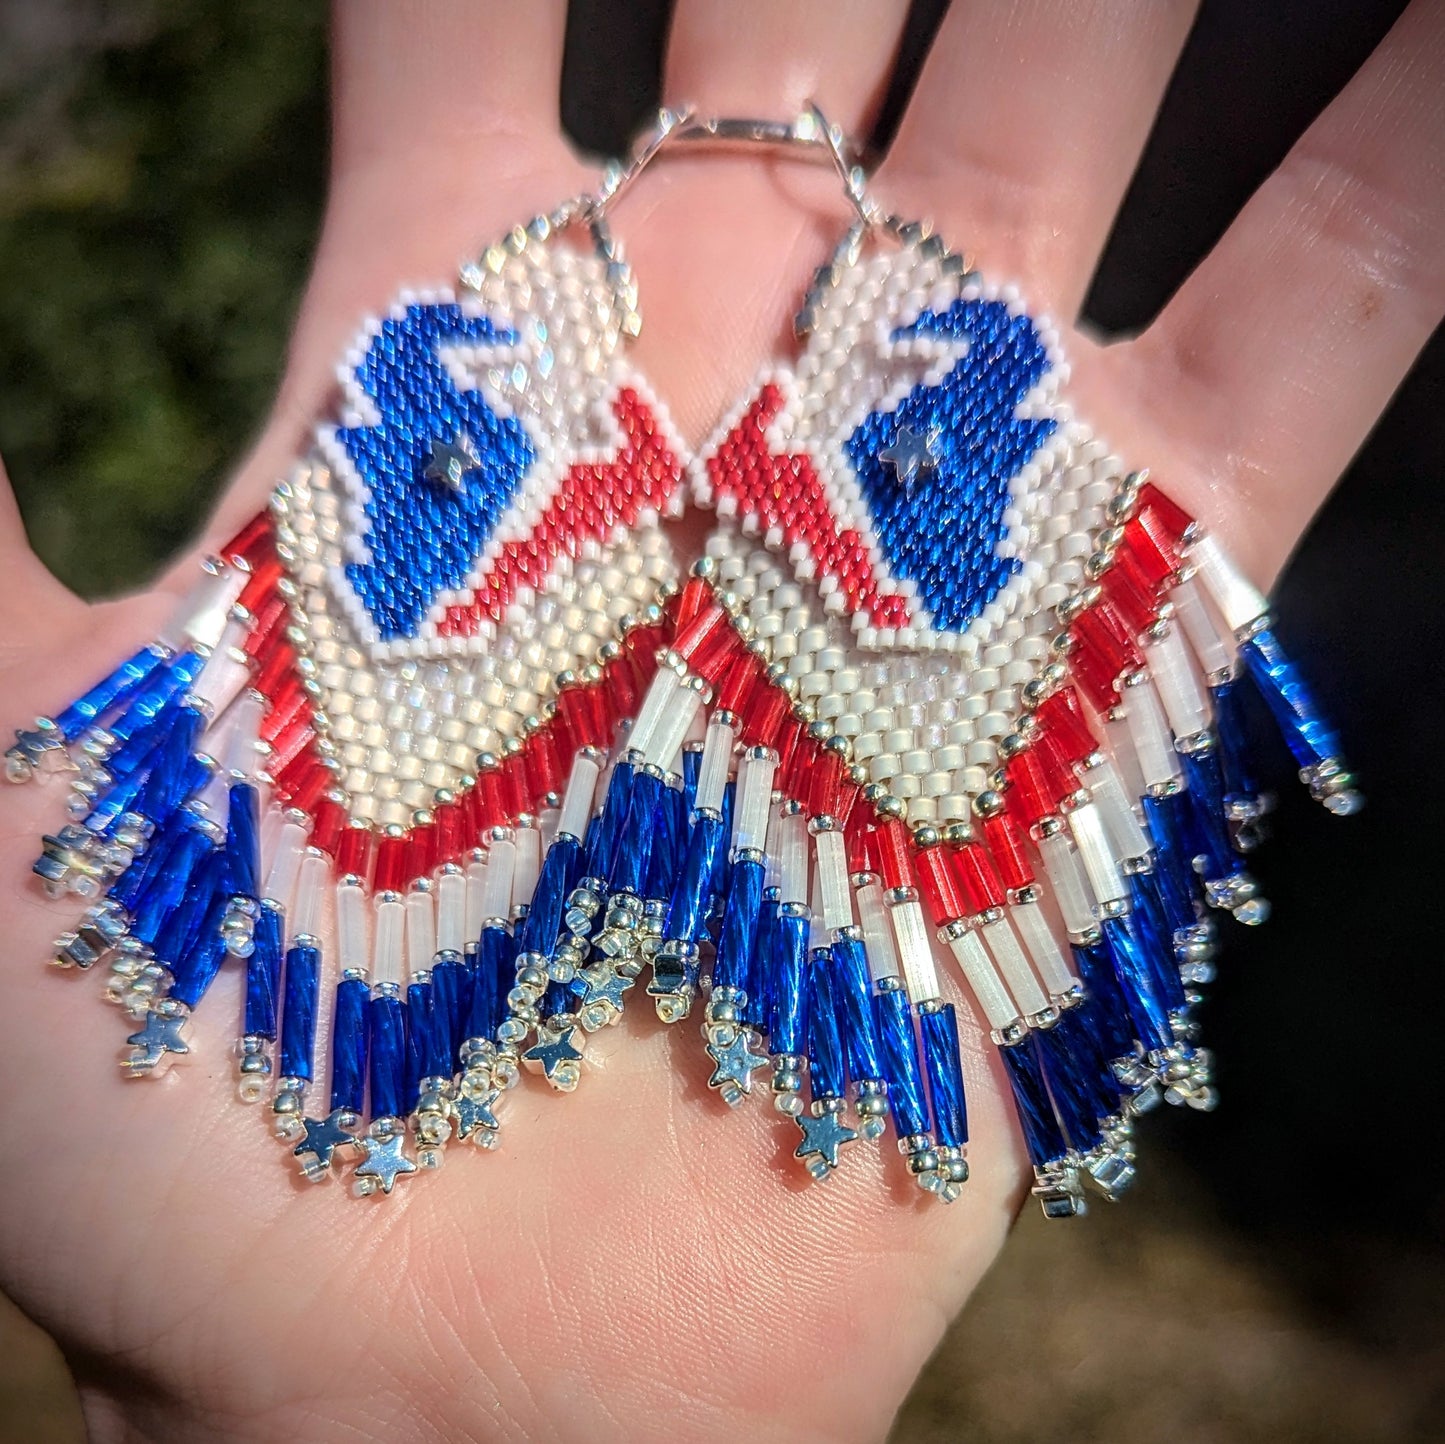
(442,756)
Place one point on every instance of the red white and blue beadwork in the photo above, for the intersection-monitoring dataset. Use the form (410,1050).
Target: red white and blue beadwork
(441,748)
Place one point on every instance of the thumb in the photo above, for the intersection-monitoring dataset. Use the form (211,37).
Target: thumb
(41,619)
(32,601)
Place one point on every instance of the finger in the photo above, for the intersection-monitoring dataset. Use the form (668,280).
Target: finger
(1280,352)
(755,228)
(442,109)
(1026,126)
(759,58)
(414,74)
(31,601)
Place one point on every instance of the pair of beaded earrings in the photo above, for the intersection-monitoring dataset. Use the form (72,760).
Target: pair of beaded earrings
(445,741)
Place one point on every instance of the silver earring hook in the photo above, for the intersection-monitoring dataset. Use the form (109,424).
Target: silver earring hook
(853,176)
(810,133)
(619,175)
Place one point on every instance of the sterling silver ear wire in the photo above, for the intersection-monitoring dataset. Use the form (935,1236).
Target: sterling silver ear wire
(810,134)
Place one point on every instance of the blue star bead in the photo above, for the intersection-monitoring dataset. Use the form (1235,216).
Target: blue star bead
(421,537)
(944,537)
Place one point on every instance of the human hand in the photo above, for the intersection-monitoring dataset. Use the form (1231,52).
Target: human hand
(549,1289)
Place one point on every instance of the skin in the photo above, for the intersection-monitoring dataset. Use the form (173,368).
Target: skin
(634,1266)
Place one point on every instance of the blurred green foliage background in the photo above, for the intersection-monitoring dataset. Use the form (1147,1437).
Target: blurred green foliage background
(161,175)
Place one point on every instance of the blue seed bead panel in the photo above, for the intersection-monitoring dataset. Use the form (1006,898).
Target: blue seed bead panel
(946,532)
(463,412)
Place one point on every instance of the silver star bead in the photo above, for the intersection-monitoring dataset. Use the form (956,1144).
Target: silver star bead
(384,1161)
(911,455)
(602,1002)
(734,1064)
(451,461)
(823,1135)
(555,1056)
(155,1043)
(322,1138)
(475,1115)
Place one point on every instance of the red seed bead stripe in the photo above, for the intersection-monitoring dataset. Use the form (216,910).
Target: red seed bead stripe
(892,846)
(785,492)
(328,825)
(501,794)
(939,886)
(980,885)
(593,500)
(1163,521)
(254,541)
(1061,715)
(421,850)
(1006,844)
(260,587)
(355,851)
(391,864)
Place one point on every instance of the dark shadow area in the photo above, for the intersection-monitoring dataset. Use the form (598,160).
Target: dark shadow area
(1325,1150)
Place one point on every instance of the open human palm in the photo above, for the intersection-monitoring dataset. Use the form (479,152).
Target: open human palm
(634,1264)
